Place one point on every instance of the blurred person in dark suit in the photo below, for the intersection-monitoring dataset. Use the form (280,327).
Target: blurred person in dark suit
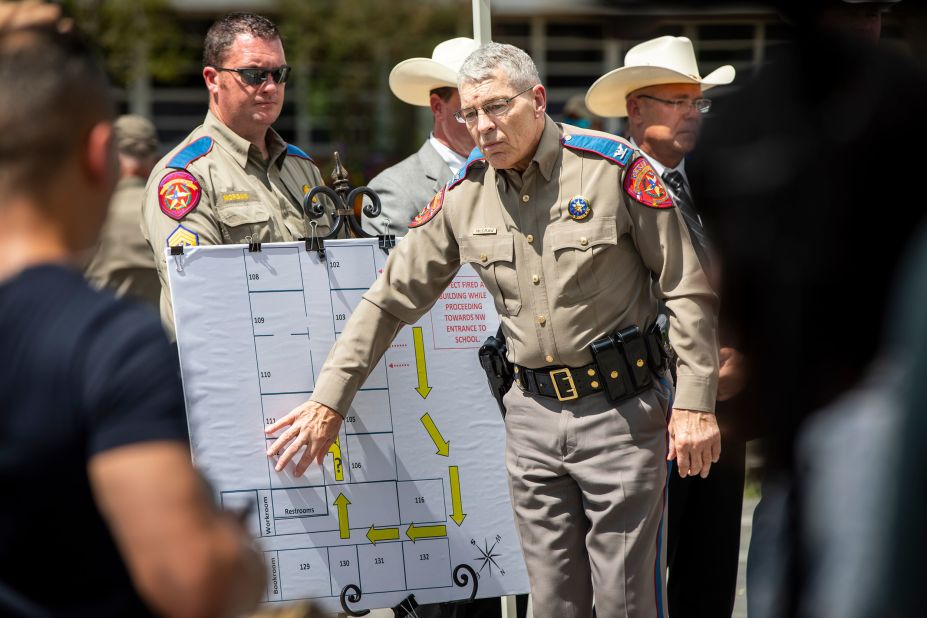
(898,579)
(794,178)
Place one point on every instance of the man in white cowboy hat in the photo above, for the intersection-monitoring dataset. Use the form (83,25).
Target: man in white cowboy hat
(660,91)
(406,187)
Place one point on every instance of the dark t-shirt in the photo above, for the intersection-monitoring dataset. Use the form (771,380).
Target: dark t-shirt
(82,373)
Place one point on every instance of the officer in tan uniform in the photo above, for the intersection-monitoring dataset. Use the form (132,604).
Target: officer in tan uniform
(123,260)
(234,179)
(566,227)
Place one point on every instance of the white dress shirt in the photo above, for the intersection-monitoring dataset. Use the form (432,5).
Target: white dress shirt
(453,160)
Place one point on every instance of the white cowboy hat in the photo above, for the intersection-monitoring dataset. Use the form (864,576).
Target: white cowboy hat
(411,80)
(664,60)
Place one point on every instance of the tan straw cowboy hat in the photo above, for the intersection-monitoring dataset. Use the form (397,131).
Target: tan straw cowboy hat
(664,60)
(411,80)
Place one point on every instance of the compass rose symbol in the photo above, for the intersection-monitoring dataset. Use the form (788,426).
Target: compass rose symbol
(487,557)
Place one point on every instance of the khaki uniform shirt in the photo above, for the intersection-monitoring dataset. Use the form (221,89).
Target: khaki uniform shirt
(123,261)
(558,283)
(243,198)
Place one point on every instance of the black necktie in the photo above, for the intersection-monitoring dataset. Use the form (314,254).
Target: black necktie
(684,202)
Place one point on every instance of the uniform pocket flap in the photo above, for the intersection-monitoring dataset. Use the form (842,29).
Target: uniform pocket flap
(234,215)
(582,236)
(487,250)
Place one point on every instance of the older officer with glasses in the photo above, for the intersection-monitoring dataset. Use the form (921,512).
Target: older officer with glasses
(659,89)
(578,241)
(233,179)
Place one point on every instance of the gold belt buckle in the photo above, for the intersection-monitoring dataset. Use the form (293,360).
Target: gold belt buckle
(565,371)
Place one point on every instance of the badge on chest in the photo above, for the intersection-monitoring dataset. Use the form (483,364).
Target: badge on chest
(579,208)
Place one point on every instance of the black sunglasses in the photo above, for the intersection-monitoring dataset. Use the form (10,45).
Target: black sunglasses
(256,77)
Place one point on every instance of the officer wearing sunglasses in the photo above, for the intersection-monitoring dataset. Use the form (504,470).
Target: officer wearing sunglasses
(233,179)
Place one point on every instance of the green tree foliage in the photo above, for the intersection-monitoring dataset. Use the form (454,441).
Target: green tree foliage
(344,51)
(135,34)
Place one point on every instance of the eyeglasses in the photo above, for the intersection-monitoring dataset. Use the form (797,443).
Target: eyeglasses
(701,105)
(494,108)
(256,77)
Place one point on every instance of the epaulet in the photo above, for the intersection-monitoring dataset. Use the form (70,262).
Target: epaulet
(190,153)
(294,151)
(613,150)
(475,157)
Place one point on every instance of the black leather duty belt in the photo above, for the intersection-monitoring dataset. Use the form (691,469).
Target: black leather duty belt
(561,383)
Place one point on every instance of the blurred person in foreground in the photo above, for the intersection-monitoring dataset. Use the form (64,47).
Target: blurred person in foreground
(104,514)
(233,179)
(548,215)
(660,91)
(26,13)
(793,179)
(405,188)
(123,260)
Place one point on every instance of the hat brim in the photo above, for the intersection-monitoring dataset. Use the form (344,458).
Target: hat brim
(608,95)
(412,80)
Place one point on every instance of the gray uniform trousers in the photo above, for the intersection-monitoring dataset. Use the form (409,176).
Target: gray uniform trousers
(588,485)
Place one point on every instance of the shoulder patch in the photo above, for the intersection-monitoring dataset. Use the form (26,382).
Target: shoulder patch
(178,193)
(294,151)
(182,237)
(433,208)
(613,150)
(475,156)
(642,183)
(190,153)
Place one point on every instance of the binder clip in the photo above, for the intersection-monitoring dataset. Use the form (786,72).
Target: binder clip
(177,253)
(386,242)
(406,609)
(314,242)
(253,247)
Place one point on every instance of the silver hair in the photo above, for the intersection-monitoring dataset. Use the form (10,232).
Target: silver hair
(517,66)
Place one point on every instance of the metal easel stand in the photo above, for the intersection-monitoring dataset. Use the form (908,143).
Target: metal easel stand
(342,196)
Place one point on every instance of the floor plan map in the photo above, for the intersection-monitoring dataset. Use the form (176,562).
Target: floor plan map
(412,498)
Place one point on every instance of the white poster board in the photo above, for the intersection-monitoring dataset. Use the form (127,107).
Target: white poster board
(416,484)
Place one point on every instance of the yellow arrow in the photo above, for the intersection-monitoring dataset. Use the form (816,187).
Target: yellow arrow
(382,534)
(457,513)
(422,388)
(444,447)
(342,503)
(425,532)
(335,450)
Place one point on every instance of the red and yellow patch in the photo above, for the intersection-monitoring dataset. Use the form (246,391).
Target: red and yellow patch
(433,208)
(642,183)
(178,193)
